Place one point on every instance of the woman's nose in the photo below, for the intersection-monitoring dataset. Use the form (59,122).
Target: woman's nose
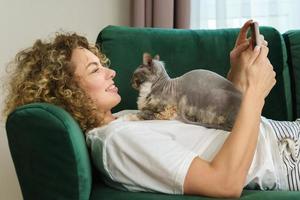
(112,73)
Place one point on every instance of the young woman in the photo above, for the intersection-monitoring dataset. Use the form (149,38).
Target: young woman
(163,156)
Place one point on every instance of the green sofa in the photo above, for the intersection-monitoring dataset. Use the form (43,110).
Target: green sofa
(48,147)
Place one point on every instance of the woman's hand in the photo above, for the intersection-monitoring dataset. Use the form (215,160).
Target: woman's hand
(236,73)
(259,73)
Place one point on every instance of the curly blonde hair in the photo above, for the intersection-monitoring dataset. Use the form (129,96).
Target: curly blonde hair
(43,73)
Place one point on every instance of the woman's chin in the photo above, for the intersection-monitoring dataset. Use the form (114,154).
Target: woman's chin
(118,99)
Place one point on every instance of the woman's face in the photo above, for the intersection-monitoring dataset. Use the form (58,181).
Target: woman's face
(95,79)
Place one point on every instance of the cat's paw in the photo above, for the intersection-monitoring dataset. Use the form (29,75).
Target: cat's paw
(169,113)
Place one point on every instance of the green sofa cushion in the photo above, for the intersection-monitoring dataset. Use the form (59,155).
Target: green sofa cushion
(49,153)
(184,50)
(292,39)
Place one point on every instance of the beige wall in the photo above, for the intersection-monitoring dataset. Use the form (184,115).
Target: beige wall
(22,22)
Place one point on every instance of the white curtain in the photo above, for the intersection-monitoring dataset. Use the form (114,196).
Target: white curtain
(211,14)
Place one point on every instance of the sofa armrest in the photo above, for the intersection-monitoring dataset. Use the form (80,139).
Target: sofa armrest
(49,153)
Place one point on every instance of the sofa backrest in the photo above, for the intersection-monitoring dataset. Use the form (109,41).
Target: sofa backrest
(184,50)
(49,153)
(292,40)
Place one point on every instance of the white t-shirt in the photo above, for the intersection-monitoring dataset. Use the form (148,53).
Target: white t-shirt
(155,155)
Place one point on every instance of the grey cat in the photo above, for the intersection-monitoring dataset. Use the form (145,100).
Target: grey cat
(199,96)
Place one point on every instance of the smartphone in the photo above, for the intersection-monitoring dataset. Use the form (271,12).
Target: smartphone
(255,34)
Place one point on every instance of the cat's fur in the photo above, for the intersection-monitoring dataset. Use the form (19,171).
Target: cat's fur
(198,97)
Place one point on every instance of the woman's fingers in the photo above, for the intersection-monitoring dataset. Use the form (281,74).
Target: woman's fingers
(261,56)
(262,40)
(272,78)
(272,69)
(261,74)
(261,37)
(239,49)
(263,53)
(265,43)
(243,33)
(269,63)
(255,54)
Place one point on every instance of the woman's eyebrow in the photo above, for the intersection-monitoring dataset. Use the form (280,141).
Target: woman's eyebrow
(91,63)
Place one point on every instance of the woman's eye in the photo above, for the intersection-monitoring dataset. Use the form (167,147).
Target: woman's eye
(95,70)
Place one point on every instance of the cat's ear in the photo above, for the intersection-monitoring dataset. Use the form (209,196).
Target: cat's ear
(147,59)
(156,57)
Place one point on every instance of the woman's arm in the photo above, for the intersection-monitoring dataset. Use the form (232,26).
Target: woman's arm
(225,175)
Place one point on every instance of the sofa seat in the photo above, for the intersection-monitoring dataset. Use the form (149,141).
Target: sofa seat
(103,192)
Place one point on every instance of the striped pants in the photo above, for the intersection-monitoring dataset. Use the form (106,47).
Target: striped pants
(288,135)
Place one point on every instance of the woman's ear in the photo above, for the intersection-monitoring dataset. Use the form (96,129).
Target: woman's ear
(156,57)
(147,59)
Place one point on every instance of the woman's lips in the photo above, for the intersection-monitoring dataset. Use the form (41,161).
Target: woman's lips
(112,88)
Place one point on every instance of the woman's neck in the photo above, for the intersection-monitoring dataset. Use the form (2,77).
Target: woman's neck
(108,117)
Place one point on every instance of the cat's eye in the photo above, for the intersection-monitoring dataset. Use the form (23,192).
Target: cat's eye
(149,67)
